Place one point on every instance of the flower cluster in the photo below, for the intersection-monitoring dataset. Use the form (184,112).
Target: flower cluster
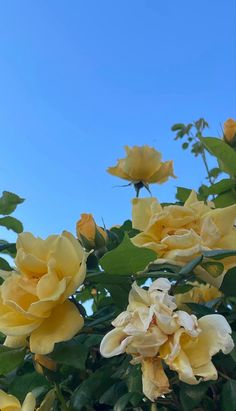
(178,234)
(153,332)
(34,298)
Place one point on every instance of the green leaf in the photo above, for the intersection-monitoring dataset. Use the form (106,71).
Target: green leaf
(123,401)
(213,268)
(223,152)
(228,284)
(91,388)
(10,358)
(181,289)
(8,248)
(127,258)
(192,395)
(4,265)
(188,268)
(233,352)
(12,223)
(219,254)
(119,294)
(228,396)
(225,199)
(30,382)
(199,309)
(223,185)
(71,353)
(112,395)
(183,193)
(177,126)
(9,202)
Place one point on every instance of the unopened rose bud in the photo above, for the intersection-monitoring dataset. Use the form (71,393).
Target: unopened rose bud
(89,234)
(230,132)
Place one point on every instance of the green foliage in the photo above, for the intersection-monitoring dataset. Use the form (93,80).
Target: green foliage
(10,358)
(126,258)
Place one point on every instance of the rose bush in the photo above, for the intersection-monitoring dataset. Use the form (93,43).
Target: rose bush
(127,319)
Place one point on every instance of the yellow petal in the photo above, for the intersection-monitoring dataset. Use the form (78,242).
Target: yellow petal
(16,341)
(29,403)
(64,322)
(142,211)
(163,173)
(8,402)
(155,381)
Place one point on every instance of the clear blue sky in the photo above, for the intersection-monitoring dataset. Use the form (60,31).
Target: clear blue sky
(80,79)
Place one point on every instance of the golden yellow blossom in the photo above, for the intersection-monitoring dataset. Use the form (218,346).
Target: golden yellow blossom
(143,164)
(153,332)
(89,233)
(10,403)
(180,233)
(34,298)
(230,131)
(200,293)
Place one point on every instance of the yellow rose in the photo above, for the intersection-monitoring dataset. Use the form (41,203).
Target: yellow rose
(89,233)
(178,234)
(153,332)
(190,356)
(230,132)
(143,165)
(10,403)
(34,299)
(200,293)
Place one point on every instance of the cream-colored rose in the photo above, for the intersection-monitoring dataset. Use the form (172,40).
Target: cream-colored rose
(89,233)
(178,234)
(10,403)
(200,293)
(34,299)
(190,356)
(230,132)
(143,164)
(153,332)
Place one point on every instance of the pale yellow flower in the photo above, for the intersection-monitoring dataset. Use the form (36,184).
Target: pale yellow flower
(153,332)
(200,293)
(190,356)
(230,131)
(34,299)
(178,234)
(88,230)
(10,403)
(143,164)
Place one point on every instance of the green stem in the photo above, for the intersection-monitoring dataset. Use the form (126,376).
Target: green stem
(61,398)
(206,165)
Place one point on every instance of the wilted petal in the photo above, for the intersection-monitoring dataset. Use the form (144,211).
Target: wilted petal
(155,381)
(114,343)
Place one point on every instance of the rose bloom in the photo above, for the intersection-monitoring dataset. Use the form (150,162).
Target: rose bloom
(89,233)
(34,298)
(200,293)
(10,403)
(154,333)
(178,234)
(143,164)
(230,132)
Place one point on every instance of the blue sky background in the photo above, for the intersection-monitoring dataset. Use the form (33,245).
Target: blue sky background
(81,79)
